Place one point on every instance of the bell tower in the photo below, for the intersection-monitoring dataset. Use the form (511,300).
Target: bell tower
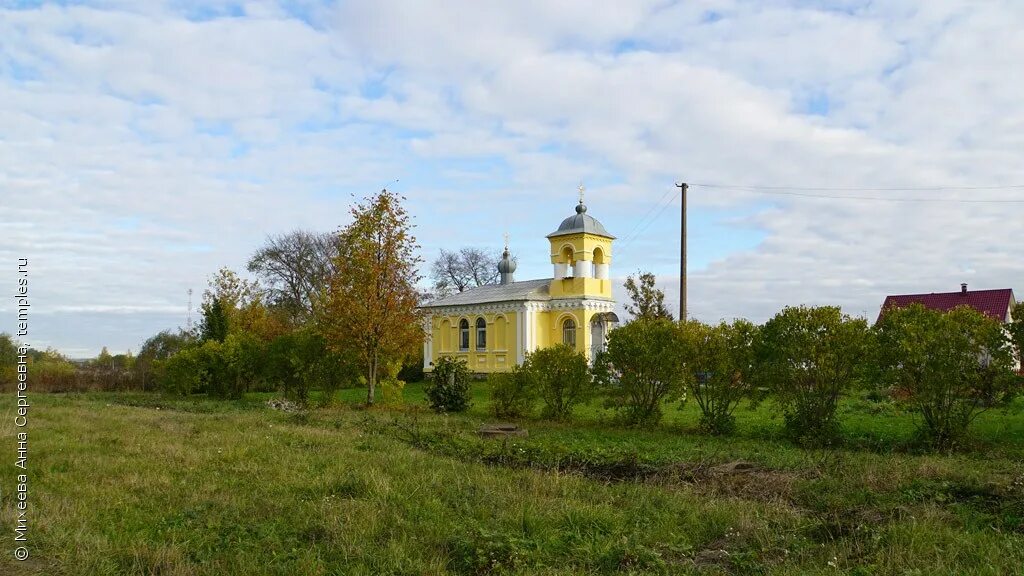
(581,254)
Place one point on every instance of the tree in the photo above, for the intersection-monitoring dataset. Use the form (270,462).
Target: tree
(104,359)
(720,369)
(948,366)
(642,367)
(242,304)
(562,378)
(156,351)
(1016,330)
(808,358)
(457,271)
(370,307)
(295,267)
(301,361)
(647,301)
(215,321)
(8,360)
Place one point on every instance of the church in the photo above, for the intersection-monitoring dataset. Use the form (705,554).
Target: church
(493,327)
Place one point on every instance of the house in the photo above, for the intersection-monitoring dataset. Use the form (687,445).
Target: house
(493,327)
(996,304)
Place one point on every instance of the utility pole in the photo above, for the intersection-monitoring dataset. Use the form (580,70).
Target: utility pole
(188,318)
(682,249)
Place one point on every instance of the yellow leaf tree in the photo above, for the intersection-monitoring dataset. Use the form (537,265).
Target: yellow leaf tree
(370,306)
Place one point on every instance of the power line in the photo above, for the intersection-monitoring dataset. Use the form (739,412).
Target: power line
(633,236)
(627,236)
(858,188)
(796,191)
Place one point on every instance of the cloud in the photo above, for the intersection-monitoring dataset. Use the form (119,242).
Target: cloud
(146,145)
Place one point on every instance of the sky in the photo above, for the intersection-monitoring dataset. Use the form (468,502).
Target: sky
(144,145)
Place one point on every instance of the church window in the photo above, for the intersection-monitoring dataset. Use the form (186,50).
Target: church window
(569,332)
(481,334)
(464,334)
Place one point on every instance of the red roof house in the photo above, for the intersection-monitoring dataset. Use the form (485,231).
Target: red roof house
(996,304)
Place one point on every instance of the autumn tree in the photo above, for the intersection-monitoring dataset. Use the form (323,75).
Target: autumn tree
(464,269)
(645,301)
(295,268)
(370,308)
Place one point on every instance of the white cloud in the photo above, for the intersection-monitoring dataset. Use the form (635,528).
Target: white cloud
(143,150)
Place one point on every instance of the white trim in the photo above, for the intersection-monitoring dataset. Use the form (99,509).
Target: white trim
(520,333)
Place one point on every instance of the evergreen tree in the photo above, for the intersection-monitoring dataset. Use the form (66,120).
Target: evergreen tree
(215,321)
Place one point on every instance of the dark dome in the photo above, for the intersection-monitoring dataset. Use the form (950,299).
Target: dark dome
(580,222)
(507,265)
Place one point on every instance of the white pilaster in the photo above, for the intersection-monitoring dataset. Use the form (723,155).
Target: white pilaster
(520,334)
(428,342)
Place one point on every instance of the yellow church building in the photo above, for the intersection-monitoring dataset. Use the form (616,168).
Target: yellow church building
(493,327)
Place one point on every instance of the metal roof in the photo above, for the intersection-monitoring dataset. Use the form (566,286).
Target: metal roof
(995,304)
(516,291)
(581,222)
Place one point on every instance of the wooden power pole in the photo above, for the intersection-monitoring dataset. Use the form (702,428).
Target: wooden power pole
(682,249)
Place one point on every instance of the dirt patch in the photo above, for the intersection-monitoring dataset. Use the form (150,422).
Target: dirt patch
(739,479)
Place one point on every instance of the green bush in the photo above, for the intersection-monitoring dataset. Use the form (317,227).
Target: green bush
(300,361)
(643,366)
(182,372)
(448,387)
(513,394)
(948,366)
(720,367)
(562,378)
(808,358)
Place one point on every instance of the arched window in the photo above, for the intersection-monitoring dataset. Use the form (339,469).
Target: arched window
(463,334)
(569,332)
(481,334)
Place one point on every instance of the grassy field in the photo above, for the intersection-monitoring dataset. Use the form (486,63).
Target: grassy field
(146,484)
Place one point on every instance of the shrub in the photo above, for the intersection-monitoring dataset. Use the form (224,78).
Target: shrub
(721,363)
(448,387)
(808,358)
(949,367)
(181,372)
(300,361)
(513,394)
(562,378)
(391,386)
(642,367)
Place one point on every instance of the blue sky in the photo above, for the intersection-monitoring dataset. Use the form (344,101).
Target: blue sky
(145,145)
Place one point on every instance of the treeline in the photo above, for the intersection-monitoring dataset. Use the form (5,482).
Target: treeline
(324,311)
(947,367)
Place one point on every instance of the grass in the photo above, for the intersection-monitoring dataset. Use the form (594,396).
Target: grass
(148,484)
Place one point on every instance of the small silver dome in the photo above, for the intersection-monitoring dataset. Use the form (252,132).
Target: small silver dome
(507,265)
